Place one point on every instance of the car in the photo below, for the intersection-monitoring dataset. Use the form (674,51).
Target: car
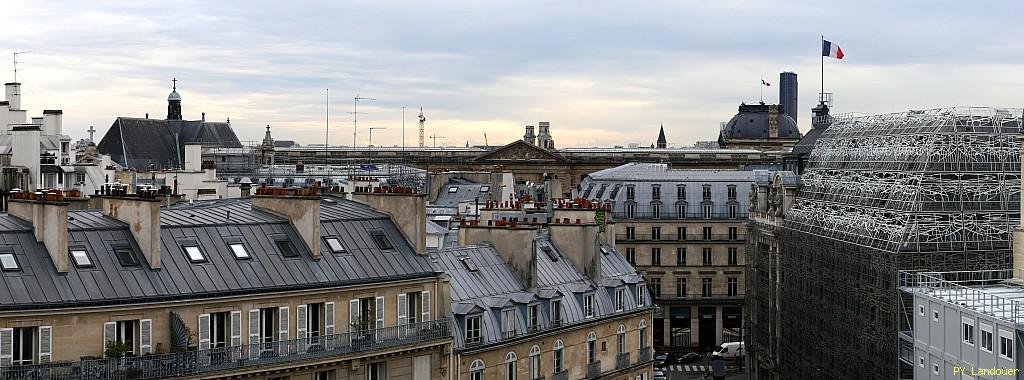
(659,375)
(687,357)
(660,360)
(729,350)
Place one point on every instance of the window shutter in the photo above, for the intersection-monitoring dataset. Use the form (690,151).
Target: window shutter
(204,331)
(329,318)
(254,330)
(300,322)
(236,328)
(45,343)
(379,309)
(109,334)
(6,347)
(403,309)
(145,336)
(282,320)
(425,301)
(353,314)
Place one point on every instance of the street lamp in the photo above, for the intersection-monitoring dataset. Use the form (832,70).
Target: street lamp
(371,135)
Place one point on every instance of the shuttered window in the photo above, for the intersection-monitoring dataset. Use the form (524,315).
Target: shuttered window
(145,336)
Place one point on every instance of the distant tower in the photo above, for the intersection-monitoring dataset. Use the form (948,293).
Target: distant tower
(174,102)
(267,149)
(788,94)
(662,143)
(529,137)
(544,139)
(423,119)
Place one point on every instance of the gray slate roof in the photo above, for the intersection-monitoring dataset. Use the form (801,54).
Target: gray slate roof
(38,285)
(137,143)
(610,185)
(465,191)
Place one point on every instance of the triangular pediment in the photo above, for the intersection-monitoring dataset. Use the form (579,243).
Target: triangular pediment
(519,150)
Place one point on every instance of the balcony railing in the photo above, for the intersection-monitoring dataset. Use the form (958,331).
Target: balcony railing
(564,375)
(623,361)
(698,296)
(645,356)
(676,238)
(594,369)
(677,216)
(192,363)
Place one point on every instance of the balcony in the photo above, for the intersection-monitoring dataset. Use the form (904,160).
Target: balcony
(645,356)
(564,375)
(594,370)
(690,238)
(623,361)
(194,363)
(701,297)
(666,215)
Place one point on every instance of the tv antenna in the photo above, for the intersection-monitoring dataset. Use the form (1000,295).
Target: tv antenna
(435,137)
(16,63)
(355,116)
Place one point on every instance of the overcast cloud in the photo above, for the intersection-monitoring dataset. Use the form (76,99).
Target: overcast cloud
(602,72)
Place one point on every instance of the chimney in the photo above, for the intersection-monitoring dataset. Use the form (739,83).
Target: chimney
(143,218)
(303,212)
(582,244)
(407,209)
(52,122)
(516,245)
(193,156)
(25,140)
(4,111)
(50,226)
(13,94)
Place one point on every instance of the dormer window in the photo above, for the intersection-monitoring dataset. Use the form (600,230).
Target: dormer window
(630,191)
(681,192)
(382,240)
(732,192)
(334,244)
(588,305)
(80,257)
(707,192)
(194,253)
(655,191)
(473,329)
(8,262)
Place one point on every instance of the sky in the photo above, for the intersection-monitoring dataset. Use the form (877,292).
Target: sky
(603,73)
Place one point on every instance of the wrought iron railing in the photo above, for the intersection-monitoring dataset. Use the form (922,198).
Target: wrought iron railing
(675,215)
(969,289)
(564,375)
(191,363)
(623,361)
(594,369)
(740,238)
(646,355)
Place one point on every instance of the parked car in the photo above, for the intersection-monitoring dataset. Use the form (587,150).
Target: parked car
(730,350)
(660,360)
(659,375)
(687,357)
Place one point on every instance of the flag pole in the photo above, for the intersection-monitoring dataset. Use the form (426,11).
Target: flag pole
(822,94)
(762,88)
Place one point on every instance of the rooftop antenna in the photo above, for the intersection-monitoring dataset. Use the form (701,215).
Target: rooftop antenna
(403,128)
(355,116)
(16,63)
(423,119)
(327,134)
(435,137)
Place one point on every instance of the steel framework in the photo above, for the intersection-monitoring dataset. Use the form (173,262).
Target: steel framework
(921,190)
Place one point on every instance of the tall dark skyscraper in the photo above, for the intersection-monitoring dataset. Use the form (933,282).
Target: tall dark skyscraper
(788,94)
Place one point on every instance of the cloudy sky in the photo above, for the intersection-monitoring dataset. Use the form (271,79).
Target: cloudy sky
(602,72)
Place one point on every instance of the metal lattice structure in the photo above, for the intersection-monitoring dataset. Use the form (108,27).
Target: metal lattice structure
(931,190)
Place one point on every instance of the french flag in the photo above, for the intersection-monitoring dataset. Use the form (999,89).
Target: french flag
(829,49)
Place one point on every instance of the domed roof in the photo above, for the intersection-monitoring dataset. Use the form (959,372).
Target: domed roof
(751,122)
(174,96)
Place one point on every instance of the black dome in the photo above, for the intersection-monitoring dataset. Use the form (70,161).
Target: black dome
(751,122)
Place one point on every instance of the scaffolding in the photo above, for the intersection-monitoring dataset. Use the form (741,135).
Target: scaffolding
(935,190)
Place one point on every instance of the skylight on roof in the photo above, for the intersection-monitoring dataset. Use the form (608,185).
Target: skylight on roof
(381,240)
(126,257)
(335,245)
(8,262)
(287,248)
(194,253)
(453,189)
(81,258)
(469,264)
(239,250)
(485,188)
(550,252)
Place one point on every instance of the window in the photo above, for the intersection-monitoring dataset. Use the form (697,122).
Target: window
(680,211)
(707,255)
(733,285)
(238,249)
(219,333)
(124,331)
(619,299)
(335,245)
(705,285)
(680,233)
(23,345)
(706,192)
(733,211)
(655,256)
(557,355)
(621,339)
(706,233)
(125,256)
(80,257)
(510,366)
(630,192)
(733,256)
(733,233)
(681,287)
(556,311)
(640,290)
(508,323)
(591,347)
(325,375)
(935,369)
(534,362)
(315,322)
(377,371)
(630,210)
(476,370)
(485,188)
(268,327)
(920,310)
(194,253)
(968,331)
(1006,344)
(935,315)
(655,191)
(287,248)
(588,305)
(643,334)
(630,233)
(473,329)
(382,240)
(732,192)
(708,209)
(986,338)
(920,361)
(532,316)
(656,287)
(631,255)
(453,189)
(655,233)
(680,192)
(656,210)
(681,256)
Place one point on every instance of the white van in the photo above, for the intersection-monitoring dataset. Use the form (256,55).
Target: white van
(730,350)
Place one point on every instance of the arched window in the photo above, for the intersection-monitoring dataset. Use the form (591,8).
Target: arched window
(643,334)
(622,339)
(510,365)
(535,362)
(476,370)
(591,347)
(557,353)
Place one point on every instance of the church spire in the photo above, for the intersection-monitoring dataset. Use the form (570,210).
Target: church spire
(174,102)
(662,143)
